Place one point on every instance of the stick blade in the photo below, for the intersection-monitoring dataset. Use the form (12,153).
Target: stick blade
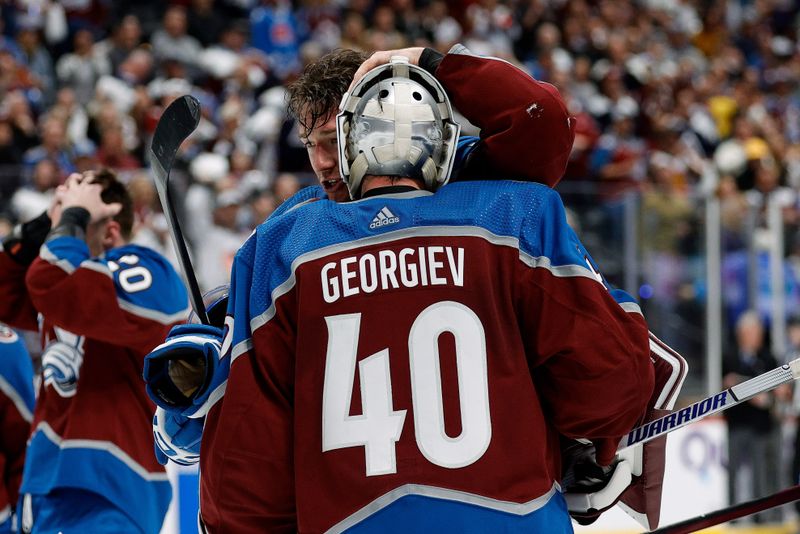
(177,122)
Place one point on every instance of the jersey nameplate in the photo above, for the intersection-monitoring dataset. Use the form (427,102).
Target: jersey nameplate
(389,269)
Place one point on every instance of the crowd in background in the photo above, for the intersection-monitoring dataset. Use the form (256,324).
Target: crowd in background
(677,101)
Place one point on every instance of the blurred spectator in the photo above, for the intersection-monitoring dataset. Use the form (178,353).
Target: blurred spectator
(618,162)
(230,136)
(10,159)
(20,117)
(171,40)
(67,109)
(408,21)
(7,44)
(120,89)
(441,29)
(354,32)
(383,34)
(30,202)
(205,22)
(220,243)
(207,170)
(15,76)
(752,428)
(82,68)
(54,147)
(276,31)
(286,185)
(261,206)
(125,37)
(37,58)
(112,152)
(233,59)
(492,28)
(150,225)
(667,214)
(105,116)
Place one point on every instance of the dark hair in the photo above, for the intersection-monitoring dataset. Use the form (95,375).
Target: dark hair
(115,191)
(316,94)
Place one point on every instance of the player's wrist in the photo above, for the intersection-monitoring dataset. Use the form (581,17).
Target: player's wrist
(430,60)
(73,222)
(23,244)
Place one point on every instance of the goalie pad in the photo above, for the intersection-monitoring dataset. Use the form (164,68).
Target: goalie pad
(636,477)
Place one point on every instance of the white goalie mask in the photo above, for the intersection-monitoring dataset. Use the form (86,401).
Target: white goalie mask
(397,121)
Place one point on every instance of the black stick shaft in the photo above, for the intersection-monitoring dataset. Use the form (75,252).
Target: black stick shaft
(177,122)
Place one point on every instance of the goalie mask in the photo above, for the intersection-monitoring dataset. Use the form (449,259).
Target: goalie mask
(397,121)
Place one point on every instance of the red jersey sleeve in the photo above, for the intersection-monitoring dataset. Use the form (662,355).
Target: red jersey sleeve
(526,130)
(247,453)
(16,308)
(130,297)
(589,353)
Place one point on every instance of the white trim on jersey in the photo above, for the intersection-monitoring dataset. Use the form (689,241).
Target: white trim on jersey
(47,255)
(100,445)
(445,494)
(15,397)
(560,271)
(97,266)
(153,315)
(140,311)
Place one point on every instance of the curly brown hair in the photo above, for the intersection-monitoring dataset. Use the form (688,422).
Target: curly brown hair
(115,191)
(316,94)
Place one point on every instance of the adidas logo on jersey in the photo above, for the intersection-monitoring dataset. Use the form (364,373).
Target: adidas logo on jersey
(383,218)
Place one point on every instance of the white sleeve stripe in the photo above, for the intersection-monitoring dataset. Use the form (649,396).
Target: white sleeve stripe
(141,311)
(154,315)
(16,398)
(97,266)
(108,446)
(631,307)
(241,348)
(47,255)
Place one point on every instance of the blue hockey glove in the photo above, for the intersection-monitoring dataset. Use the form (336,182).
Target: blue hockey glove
(176,438)
(180,373)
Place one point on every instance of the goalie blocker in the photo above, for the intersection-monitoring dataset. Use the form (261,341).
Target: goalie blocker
(635,479)
(591,489)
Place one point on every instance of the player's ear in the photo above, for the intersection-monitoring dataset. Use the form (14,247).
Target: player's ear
(112,235)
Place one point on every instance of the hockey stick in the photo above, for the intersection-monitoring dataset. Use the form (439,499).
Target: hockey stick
(711,405)
(177,122)
(732,512)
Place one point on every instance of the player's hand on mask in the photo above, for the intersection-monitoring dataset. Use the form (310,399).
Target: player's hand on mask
(379,58)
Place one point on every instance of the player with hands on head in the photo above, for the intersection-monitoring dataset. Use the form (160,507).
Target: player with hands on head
(500,339)
(100,304)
